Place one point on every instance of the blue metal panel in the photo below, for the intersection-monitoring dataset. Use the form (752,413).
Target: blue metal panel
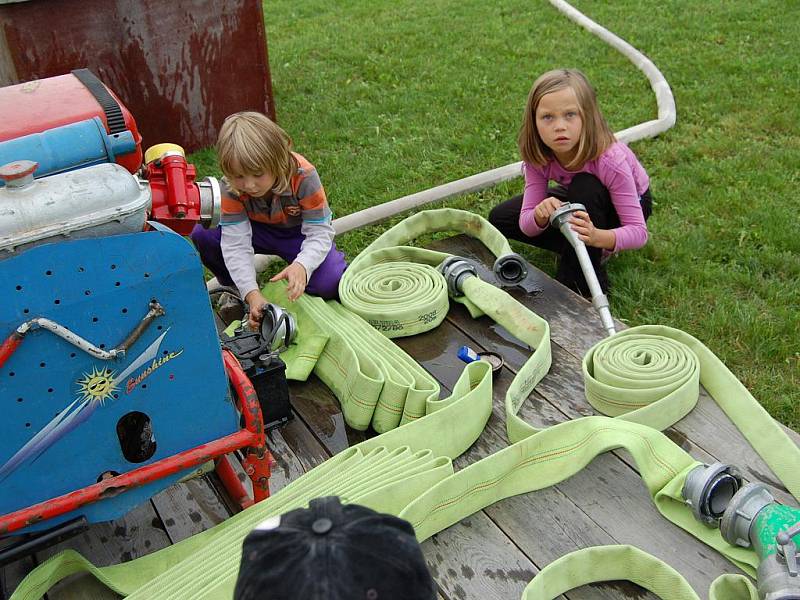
(68,147)
(100,289)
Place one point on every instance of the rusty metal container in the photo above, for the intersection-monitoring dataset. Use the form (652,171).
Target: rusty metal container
(180,66)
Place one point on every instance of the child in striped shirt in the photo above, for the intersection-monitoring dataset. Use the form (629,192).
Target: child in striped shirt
(272,203)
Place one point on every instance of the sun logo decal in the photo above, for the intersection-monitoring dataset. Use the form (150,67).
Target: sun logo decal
(94,388)
(99,385)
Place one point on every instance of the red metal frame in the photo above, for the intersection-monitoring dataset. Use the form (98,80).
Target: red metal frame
(8,347)
(252,438)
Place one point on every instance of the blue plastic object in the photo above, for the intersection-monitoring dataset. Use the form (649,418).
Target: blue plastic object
(173,374)
(68,147)
(467,354)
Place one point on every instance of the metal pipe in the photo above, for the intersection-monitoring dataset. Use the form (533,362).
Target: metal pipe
(560,219)
(155,310)
(15,339)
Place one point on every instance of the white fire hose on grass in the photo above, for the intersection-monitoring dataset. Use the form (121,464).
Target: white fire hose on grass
(486,179)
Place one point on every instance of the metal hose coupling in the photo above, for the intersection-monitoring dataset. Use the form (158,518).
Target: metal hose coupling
(709,490)
(754,518)
(278,328)
(510,269)
(749,516)
(741,513)
(210,202)
(455,270)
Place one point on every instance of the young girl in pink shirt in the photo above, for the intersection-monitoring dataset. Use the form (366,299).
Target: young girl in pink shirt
(569,154)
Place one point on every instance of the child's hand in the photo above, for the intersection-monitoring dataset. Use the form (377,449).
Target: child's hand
(589,234)
(256,301)
(544,209)
(295,275)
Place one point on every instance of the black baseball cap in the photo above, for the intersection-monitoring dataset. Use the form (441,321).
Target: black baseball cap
(331,551)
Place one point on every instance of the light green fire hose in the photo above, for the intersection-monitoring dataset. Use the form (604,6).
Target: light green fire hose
(648,376)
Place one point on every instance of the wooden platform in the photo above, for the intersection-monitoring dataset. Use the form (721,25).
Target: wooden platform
(494,553)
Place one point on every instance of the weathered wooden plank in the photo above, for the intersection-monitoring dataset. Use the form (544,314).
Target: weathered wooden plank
(13,573)
(287,466)
(137,533)
(303,443)
(188,508)
(474,559)
(319,410)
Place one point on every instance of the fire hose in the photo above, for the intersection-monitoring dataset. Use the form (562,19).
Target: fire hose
(408,470)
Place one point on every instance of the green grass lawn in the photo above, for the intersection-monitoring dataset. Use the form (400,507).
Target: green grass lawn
(390,98)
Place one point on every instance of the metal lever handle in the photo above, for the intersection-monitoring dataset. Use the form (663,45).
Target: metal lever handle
(789,548)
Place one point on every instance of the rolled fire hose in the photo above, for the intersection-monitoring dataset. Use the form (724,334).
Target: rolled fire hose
(397,289)
(408,471)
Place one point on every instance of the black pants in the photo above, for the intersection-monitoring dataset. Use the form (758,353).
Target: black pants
(585,189)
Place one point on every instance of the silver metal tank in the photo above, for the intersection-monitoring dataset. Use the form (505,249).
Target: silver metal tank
(92,202)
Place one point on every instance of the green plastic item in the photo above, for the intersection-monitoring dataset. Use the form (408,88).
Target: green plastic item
(771,521)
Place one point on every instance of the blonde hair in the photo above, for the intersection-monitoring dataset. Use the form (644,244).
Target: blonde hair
(596,136)
(249,143)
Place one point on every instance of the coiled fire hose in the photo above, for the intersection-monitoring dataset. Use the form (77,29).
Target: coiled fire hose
(397,289)
(408,470)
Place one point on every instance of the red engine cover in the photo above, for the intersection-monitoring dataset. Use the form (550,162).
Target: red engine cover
(46,103)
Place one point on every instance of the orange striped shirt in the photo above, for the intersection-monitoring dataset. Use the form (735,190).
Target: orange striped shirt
(304,201)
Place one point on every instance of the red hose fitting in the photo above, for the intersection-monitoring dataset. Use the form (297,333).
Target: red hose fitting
(175,195)
(175,168)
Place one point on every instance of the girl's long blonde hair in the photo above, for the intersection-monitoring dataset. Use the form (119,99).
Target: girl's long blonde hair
(596,136)
(249,143)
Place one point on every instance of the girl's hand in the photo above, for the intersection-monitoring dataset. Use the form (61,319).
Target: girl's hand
(295,275)
(256,301)
(543,210)
(589,234)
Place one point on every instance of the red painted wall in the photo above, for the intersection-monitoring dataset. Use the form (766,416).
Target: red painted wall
(180,66)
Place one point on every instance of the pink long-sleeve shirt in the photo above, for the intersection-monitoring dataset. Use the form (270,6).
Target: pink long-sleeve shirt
(618,170)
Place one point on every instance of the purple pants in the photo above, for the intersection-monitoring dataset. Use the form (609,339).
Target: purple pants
(282,242)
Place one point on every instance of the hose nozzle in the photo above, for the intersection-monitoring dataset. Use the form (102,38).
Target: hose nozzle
(560,219)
